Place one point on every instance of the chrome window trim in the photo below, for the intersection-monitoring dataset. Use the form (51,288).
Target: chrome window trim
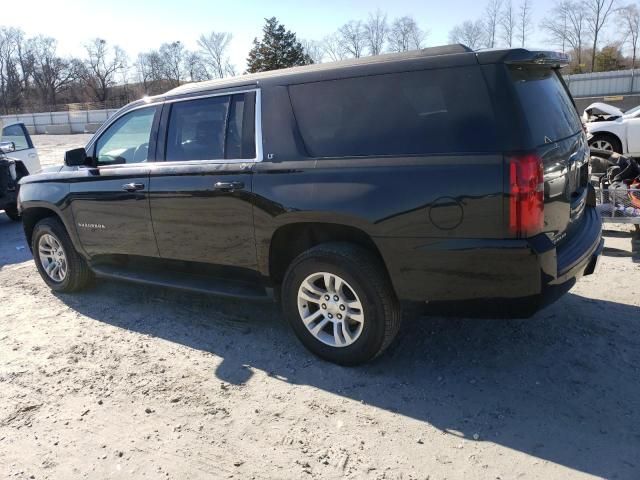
(257,130)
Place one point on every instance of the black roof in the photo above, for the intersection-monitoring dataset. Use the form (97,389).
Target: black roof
(442,56)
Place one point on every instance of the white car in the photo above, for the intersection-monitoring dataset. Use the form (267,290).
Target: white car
(611,129)
(24,150)
(18,158)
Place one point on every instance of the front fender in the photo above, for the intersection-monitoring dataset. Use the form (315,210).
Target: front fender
(617,128)
(52,197)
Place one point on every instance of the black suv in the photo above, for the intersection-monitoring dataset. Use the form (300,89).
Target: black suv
(340,189)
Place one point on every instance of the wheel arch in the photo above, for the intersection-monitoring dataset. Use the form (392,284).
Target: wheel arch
(623,143)
(290,240)
(32,214)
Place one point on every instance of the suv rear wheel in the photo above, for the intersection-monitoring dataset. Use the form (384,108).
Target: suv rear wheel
(61,267)
(340,303)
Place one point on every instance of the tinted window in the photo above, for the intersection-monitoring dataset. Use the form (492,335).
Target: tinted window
(547,105)
(15,134)
(127,139)
(196,129)
(234,129)
(424,112)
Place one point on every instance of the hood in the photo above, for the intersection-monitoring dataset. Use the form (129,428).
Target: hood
(602,109)
(51,169)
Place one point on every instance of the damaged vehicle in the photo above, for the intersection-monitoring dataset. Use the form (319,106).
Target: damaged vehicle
(18,158)
(613,130)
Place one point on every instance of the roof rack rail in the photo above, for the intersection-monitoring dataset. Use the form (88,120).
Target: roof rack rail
(446,49)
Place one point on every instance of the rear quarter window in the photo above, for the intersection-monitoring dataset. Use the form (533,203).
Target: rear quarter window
(409,113)
(546,104)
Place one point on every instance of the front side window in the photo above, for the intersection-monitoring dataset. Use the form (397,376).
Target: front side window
(15,134)
(127,139)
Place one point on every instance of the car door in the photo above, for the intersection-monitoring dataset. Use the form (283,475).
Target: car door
(25,151)
(110,204)
(633,134)
(200,195)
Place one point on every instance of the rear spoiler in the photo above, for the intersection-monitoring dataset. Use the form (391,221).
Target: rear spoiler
(521,56)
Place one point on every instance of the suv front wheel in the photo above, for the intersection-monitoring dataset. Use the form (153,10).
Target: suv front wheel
(340,303)
(58,263)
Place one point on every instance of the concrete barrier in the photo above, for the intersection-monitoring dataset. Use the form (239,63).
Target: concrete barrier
(62,123)
(57,129)
(91,127)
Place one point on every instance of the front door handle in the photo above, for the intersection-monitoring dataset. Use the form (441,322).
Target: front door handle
(228,186)
(132,187)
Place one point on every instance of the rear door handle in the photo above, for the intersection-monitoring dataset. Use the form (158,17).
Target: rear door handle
(132,187)
(228,186)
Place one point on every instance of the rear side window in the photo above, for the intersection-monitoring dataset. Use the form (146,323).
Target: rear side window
(197,129)
(409,113)
(213,128)
(547,106)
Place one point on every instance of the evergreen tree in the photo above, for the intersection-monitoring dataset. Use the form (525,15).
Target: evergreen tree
(279,48)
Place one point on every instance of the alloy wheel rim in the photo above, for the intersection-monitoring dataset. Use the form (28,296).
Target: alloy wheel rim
(603,145)
(330,309)
(52,257)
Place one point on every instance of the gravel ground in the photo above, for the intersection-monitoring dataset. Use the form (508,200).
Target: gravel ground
(125,381)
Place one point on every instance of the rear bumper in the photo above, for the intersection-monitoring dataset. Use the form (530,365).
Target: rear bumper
(477,269)
(580,255)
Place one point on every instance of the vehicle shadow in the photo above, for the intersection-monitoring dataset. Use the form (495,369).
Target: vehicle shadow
(562,386)
(14,246)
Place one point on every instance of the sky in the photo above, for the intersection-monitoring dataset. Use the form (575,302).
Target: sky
(142,25)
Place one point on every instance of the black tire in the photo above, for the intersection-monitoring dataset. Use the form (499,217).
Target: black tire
(78,275)
(12,212)
(367,277)
(607,137)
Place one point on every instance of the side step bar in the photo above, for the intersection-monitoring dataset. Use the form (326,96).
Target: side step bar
(183,281)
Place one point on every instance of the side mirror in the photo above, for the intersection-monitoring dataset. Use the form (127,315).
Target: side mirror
(75,157)
(7,147)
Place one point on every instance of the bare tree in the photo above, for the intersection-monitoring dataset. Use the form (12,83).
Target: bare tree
(149,68)
(405,35)
(598,12)
(314,49)
(524,21)
(333,48)
(491,21)
(567,27)
(630,16)
(9,76)
(468,33)
(214,49)
(508,23)
(556,25)
(195,67)
(172,58)
(375,32)
(101,67)
(352,37)
(51,73)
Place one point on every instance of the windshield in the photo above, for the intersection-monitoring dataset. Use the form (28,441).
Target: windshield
(633,111)
(547,105)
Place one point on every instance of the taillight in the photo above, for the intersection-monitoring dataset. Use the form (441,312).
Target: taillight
(526,195)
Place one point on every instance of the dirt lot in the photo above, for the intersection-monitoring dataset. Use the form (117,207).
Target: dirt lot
(132,382)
